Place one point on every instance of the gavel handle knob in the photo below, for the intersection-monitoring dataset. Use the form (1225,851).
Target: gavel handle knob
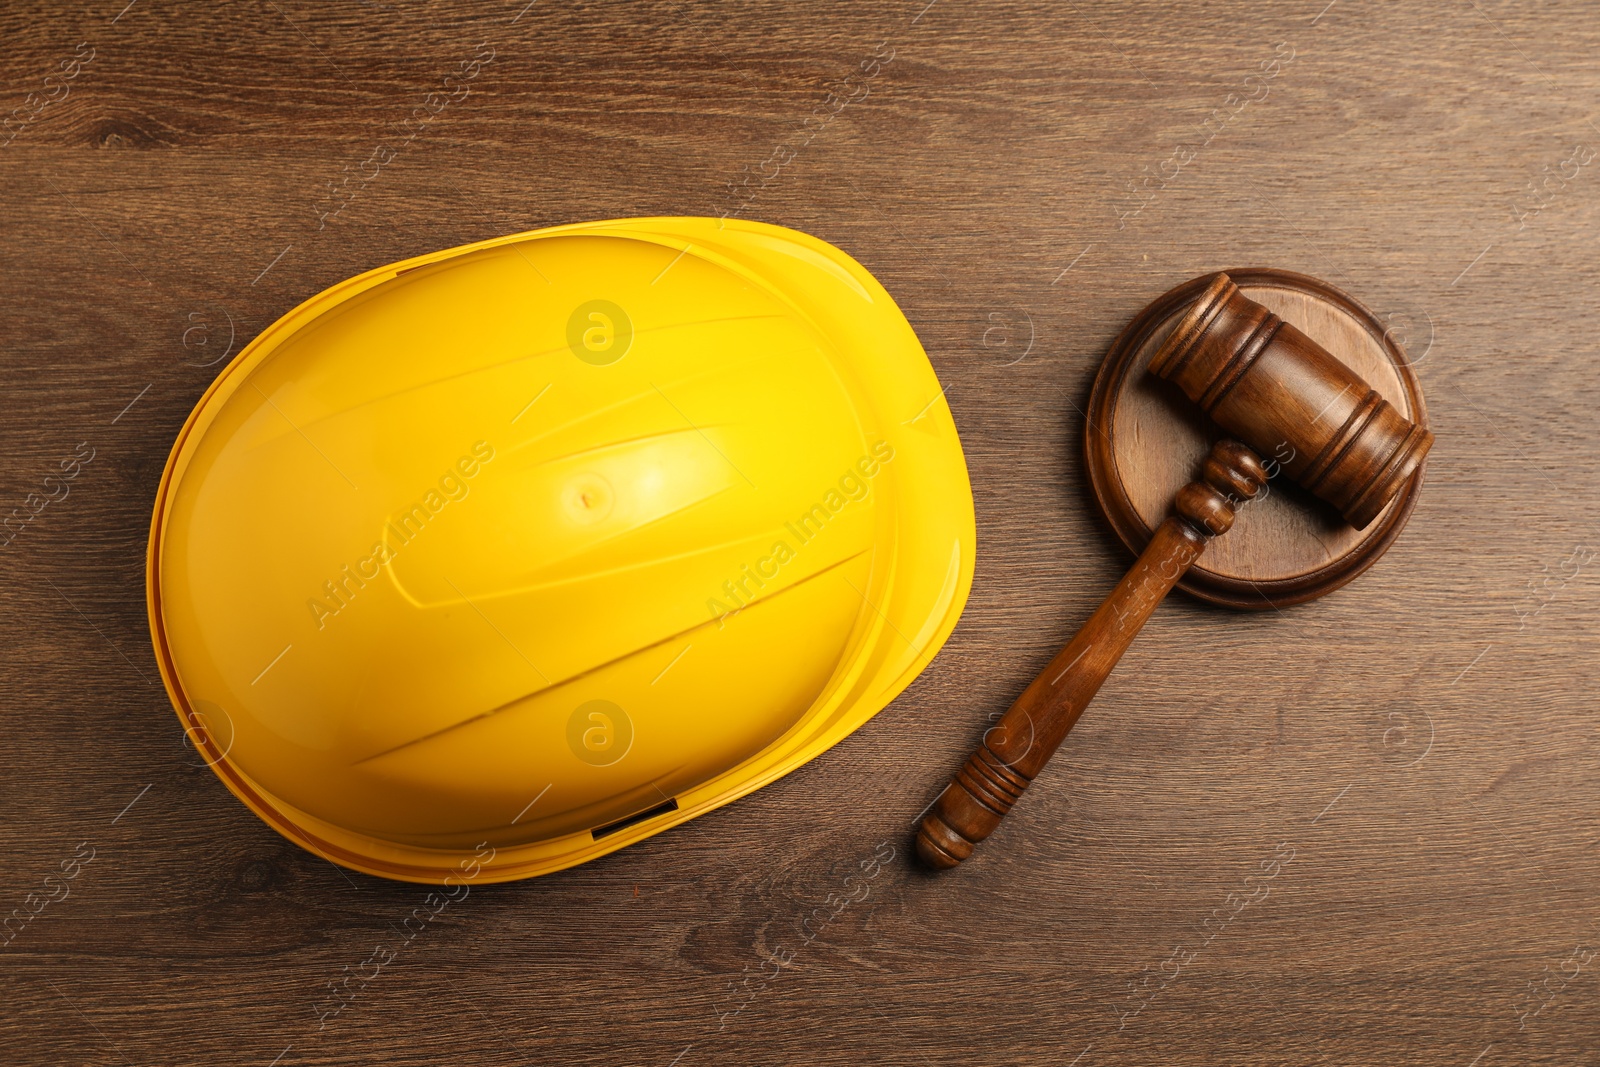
(1016,748)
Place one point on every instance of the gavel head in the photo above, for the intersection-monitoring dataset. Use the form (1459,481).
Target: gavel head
(1283,394)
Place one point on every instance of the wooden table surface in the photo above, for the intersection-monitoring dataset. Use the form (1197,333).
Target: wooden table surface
(1359,831)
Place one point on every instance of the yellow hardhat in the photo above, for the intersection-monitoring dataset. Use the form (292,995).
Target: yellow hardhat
(496,560)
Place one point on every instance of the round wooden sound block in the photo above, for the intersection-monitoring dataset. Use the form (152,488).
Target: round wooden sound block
(1145,440)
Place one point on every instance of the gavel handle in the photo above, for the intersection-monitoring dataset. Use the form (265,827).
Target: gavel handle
(1015,749)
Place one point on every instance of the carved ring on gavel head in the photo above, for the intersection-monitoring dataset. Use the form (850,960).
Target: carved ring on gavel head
(1278,392)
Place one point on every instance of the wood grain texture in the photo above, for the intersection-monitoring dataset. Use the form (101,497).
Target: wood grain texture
(1361,831)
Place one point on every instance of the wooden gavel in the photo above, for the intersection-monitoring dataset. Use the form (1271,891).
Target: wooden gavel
(1278,391)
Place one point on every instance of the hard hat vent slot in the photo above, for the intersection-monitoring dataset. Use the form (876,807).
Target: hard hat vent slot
(622,824)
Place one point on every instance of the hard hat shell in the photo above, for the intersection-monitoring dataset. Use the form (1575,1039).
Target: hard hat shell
(492,561)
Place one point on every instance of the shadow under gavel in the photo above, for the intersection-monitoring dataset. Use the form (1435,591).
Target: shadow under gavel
(1270,386)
